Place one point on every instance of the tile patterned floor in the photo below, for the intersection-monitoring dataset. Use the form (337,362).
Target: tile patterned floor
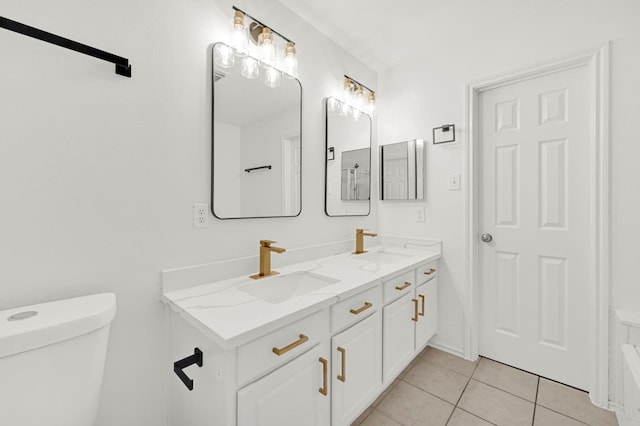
(439,389)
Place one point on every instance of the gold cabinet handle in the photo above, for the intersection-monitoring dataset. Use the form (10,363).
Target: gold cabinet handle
(415,309)
(343,377)
(429,272)
(421,296)
(325,364)
(402,287)
(290,346)
(366,306)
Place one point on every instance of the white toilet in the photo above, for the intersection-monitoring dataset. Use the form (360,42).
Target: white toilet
(52,358)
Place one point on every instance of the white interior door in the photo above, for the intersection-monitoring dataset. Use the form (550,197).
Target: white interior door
(534,202)
(395,179)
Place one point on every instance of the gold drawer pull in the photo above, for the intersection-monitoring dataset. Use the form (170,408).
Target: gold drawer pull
(406,284)
(343,377)
(323,389)
(421,296)
(429,272)
(415,306)
(366,306)
(290,346)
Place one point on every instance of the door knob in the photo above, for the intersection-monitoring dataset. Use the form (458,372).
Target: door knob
(486,238)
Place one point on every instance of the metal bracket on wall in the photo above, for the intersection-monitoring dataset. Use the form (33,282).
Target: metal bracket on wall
(180,365)
(443,130)
(122,64)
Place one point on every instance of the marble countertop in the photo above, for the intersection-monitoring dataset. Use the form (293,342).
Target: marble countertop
(232,317)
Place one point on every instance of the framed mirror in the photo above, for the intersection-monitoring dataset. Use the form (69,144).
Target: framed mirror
(347,161)
(402,170)
(256,140)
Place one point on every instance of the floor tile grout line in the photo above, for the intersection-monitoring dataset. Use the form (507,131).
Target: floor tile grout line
(462,393)
(535,403)
(505,391)
(563,414)
(475,415)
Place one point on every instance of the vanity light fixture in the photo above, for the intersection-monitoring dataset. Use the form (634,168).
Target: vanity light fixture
(356,99)
(257,44)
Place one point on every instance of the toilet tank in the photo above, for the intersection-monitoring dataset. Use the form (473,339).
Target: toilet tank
(52,358)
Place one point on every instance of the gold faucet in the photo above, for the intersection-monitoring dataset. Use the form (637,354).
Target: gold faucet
(360,234)
(265,259)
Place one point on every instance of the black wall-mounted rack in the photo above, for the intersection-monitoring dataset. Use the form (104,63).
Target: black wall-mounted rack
(122,64)
(257,168)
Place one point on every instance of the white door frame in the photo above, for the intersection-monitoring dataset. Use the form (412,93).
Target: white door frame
(597,63)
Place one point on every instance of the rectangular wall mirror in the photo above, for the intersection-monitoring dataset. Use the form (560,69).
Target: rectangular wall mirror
(347,161)
(402,170)
(256,142)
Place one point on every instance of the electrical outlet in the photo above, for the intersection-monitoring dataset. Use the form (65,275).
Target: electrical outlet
(420,214)
(454,182)
(200,215)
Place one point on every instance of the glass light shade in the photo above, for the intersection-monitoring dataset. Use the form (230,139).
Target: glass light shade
(371,104)
(223,55)
(359,99)
(239,39)
(272,77)
(249,68)
(267,49)
(347,92)
(290,62)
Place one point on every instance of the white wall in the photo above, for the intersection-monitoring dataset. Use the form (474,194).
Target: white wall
(428,90)
(99,173)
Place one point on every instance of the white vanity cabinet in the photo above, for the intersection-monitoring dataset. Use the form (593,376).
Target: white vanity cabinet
(409,321)
(316,359)
(294,394)
(356,356)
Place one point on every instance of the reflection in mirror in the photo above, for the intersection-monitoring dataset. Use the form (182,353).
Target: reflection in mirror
(348,162)
(256,144)
(402,170)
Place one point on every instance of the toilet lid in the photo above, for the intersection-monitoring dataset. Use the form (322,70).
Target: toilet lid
(31,327)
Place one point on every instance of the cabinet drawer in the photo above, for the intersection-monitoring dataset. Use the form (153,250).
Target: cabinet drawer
(426,272)
(398,286)
(260,356)
(355,308)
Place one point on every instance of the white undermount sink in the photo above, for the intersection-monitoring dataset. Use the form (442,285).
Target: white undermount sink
(382,257)
(284,287)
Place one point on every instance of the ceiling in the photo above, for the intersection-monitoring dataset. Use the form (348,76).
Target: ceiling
(381,32)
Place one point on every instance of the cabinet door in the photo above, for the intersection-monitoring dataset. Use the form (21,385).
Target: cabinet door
(398,336)
(356,369)
(426,327)
(291,395)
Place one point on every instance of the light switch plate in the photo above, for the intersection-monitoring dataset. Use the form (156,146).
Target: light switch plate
(454,182)
(420,214)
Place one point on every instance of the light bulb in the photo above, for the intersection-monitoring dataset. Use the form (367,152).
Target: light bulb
(371,104)
(249,68)
(239,40)
(272,77)
(347,91)
(267,49)
(290,66)
(359,100)
(223,55)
